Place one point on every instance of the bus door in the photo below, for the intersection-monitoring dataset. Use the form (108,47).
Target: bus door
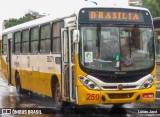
(67,48)
(8,59)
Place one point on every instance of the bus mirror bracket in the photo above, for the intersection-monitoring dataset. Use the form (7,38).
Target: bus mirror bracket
(75,36)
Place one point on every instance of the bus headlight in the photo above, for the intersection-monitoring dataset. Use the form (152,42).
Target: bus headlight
(88,83)
(148,83)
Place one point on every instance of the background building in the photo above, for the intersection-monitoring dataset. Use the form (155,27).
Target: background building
(135,2)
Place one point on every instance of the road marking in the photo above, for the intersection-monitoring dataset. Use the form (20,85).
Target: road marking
(158,90)
(157,98)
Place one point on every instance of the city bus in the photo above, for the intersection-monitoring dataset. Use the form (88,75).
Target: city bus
(97,55)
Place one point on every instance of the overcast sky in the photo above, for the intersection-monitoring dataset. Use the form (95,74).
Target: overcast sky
(18,8)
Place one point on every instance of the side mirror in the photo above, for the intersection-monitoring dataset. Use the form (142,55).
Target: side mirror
(76,36)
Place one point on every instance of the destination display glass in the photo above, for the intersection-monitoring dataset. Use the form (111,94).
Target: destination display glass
(90,15)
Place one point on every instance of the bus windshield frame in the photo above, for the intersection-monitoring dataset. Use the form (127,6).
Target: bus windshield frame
(97,34)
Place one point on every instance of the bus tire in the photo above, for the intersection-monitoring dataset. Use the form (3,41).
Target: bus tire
(56,94)
(18,84)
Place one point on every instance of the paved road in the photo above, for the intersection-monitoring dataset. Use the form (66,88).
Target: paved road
(10,99)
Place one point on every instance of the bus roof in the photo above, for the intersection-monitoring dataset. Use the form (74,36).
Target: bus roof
(60,16)
(35,22)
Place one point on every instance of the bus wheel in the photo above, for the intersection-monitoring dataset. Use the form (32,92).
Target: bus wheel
(18,84)
(57,95)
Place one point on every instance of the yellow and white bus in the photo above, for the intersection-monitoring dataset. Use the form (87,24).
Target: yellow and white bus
(96,55)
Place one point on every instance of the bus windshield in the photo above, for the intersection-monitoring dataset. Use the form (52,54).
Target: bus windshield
(116,48)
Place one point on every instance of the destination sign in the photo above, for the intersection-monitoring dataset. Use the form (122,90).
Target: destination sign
(117,16)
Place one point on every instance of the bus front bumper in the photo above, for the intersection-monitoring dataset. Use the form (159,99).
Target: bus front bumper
(86,96)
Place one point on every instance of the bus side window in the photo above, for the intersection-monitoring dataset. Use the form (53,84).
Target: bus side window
(34,39)
(4,45)
(45,44)
(25,41)
(17,42)
(56,37)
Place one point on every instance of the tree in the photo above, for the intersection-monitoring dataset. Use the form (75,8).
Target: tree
(152,6)
(27,17)
(11,22)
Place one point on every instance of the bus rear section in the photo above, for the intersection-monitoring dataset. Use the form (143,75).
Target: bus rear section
(116,60)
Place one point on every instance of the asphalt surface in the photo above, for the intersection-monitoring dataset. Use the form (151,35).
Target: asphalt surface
(20,104)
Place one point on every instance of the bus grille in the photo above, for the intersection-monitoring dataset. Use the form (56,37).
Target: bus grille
(120,96)
(112,78)
(115,87)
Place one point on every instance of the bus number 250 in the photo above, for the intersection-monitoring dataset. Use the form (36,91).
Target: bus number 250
(92,96)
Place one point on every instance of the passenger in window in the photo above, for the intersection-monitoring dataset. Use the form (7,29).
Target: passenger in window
(127,53)
(131,50)
(125,48)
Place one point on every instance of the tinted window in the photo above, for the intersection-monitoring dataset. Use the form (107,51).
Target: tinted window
(25,41)
(34,39)
(56,37)
(45,39)
(17,42)
(4,44)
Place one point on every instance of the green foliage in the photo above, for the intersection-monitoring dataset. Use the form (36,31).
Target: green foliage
(152,6)
(12,22)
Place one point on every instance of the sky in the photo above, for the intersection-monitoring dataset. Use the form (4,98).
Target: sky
(18,8)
